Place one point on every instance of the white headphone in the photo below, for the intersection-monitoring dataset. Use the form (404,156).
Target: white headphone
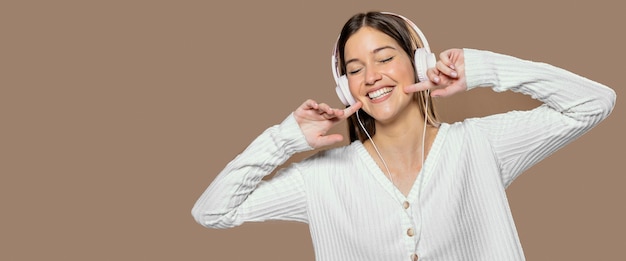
(424,59)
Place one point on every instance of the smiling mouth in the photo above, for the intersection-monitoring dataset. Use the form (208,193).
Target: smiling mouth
(382,92)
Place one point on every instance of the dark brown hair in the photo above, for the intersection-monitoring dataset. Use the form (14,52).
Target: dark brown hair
(398,29)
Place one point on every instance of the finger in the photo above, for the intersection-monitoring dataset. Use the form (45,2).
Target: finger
(347,112)
(417,87)
(328,116)
(446,92)
(343,113)
(325,109)
(433,75)
(309,104)
(446,70)
(446,58)
(446,64)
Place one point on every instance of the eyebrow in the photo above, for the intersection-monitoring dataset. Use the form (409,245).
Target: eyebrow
(375,51)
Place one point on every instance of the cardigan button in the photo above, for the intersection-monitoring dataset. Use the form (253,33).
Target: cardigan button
(410,232)
(414,257)
(406,205)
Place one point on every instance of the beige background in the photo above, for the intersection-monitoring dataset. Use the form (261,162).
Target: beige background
(117,114)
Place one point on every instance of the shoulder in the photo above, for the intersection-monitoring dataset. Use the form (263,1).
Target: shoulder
(457,128)
(457,133)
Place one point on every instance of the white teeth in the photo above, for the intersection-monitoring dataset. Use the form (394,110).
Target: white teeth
(379,93)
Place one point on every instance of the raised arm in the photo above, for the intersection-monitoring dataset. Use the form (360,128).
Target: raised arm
(572,104)
(238,193)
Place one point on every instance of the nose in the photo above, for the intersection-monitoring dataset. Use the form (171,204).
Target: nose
(372,76)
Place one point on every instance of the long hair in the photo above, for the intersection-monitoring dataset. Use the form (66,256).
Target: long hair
(396,28)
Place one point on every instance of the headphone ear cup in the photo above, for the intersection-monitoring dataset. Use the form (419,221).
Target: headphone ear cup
(343,91)
(423,61)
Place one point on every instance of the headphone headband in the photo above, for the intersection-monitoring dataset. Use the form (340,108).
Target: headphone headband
(420,35)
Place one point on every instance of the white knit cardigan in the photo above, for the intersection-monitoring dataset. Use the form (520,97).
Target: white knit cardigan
(457,208)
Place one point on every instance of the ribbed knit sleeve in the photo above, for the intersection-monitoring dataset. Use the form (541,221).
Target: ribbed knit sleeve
(238,194)
(572,105)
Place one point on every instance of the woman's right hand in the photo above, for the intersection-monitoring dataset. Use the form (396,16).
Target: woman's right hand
(315,120)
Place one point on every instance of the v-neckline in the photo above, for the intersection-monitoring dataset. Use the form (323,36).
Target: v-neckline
(422,176)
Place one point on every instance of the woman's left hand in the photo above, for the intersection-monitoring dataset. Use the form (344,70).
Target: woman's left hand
(446,78)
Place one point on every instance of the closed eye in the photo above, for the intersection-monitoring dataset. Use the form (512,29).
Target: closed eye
(387,59)
(355,71)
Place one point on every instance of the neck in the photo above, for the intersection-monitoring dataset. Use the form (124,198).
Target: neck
(400,146)
(403,144)
(402,137)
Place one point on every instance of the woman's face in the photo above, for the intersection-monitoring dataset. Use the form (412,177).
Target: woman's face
(377,69)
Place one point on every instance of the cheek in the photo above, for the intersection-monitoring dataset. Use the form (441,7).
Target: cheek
(406,73)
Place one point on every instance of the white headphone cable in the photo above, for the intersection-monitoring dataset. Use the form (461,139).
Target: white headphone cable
(425,122)
(421,179)
(375,148)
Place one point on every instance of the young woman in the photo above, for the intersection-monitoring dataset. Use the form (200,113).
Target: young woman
(407,186)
